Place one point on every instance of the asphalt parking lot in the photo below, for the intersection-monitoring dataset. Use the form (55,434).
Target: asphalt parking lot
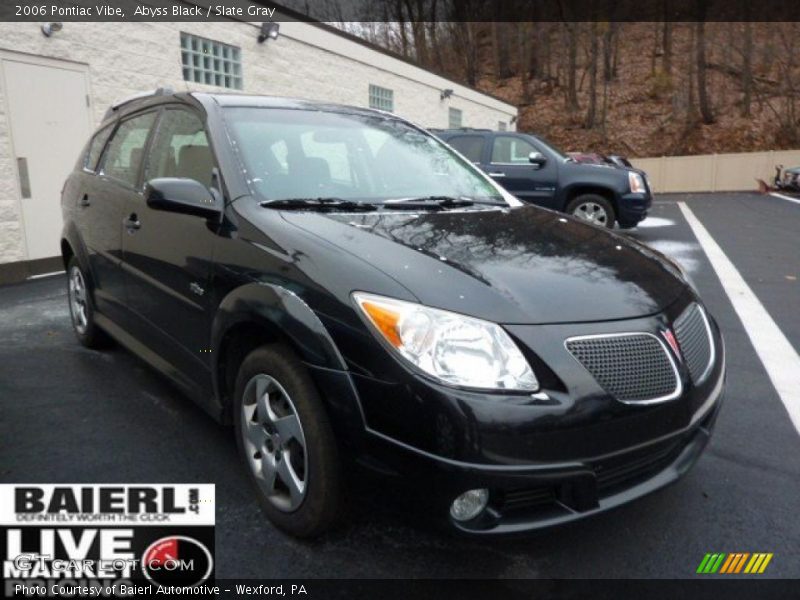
(68,414)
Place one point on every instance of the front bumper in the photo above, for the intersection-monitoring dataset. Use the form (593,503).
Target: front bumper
(633,208)
(560,455)
(536,497)
(789,181)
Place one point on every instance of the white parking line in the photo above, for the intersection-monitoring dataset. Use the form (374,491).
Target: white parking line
(789,198)
(43,275)
(779,357)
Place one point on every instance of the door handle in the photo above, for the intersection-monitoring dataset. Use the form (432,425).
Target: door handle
(132,223)
(84,201)
(497,174)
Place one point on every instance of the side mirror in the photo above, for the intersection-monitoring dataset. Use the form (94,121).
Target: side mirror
(537,158)
(180,195)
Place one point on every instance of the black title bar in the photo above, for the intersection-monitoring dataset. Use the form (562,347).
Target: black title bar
(393,11)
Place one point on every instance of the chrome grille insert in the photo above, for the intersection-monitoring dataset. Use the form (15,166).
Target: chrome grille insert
(693,333)
(635,368)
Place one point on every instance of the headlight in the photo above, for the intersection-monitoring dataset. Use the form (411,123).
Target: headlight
(451,348)
(636,182)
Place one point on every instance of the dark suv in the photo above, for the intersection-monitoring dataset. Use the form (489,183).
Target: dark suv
(347,290)
(536,172)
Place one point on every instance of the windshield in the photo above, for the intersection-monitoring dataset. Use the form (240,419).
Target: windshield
(308,154)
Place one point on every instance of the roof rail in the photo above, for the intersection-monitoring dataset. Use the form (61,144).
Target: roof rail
(446,129)
(162,91)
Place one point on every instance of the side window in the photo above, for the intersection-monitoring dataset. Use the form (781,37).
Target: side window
(511,150)
(96,147)
(180,148)
(126,149)
(470,146)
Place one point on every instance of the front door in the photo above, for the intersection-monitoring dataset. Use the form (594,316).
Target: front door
(49,121)
(167,258)
(510,167)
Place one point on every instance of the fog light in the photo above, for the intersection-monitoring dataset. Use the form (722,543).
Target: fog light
(469,504)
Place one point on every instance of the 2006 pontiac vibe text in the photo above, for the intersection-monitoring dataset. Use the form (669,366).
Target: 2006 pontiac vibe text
(345,289)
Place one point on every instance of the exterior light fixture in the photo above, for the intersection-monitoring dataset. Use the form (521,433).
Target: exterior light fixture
(445,94)
(49,29)
(269,31)
(514,119)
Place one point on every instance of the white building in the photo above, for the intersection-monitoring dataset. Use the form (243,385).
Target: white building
(54,91)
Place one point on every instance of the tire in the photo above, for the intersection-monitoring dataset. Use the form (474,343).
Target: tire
(592,208)
(81,309)
(293,466)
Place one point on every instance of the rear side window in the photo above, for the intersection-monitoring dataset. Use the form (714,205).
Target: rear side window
(470,146)
(180,148)
(126,149)
(96,148)
(511,150)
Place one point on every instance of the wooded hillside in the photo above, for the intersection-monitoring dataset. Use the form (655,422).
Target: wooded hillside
(639,89)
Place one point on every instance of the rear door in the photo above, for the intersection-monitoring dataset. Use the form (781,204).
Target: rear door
(101,209)
(167,257)
(510,167)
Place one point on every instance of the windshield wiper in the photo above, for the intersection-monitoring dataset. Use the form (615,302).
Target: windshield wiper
(318,204)
(434,202)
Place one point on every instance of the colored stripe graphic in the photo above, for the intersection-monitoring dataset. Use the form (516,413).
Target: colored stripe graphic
(726,565)
(703,563)
(741,562)
(733,563)
(711,563)
(764,564)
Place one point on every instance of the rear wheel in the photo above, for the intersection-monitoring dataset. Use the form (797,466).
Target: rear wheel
(593,208)
(287,443)
(80,307)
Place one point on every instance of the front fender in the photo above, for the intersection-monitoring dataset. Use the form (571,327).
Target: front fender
(286,311)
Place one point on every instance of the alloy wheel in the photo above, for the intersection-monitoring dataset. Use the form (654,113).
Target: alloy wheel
(78,301)
(274,442)
(592,212)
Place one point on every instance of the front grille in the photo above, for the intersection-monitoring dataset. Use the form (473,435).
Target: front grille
(528,498)
(632,367)
(694,338)
(612,475)
(630,468)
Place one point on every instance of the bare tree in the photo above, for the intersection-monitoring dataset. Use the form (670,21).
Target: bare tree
(571,29)
(702,90)
(747,67)
(594,50)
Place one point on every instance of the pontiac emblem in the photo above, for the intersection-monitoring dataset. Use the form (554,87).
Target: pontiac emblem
(673,343)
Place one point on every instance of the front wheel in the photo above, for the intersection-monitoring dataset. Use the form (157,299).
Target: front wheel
(593,208)
(287,443)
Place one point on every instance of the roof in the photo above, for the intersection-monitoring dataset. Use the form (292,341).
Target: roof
(267,101)
(232,99)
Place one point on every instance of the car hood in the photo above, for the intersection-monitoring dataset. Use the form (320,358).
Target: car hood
(521,265)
